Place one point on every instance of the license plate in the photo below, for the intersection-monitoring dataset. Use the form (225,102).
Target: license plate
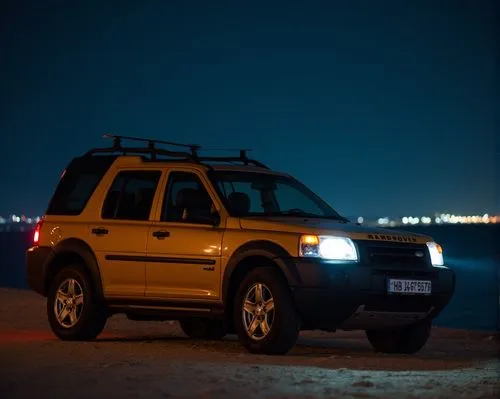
(409,287)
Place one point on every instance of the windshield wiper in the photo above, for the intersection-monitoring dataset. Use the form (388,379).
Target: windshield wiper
(298,212)
(340,218)
(293,212)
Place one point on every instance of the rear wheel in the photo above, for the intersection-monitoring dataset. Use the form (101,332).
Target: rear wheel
(264,316)
(73,310)
(404,340)
(203,329)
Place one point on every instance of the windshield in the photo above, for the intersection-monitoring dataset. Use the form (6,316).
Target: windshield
(260,194)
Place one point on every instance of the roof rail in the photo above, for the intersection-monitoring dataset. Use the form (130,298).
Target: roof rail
(191,155)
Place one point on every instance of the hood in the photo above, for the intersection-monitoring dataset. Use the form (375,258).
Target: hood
(319,226)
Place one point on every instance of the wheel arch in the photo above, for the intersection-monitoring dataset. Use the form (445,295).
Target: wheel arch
(73,250)
(269,252)
(254,254)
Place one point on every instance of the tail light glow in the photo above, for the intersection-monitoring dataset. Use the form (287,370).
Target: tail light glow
(36,233)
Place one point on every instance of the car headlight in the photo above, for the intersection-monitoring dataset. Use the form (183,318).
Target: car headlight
(328,247)
(436,252)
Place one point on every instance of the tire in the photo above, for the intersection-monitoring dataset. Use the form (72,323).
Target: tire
(405,340)
(283,323)
(203,328)
(89,316)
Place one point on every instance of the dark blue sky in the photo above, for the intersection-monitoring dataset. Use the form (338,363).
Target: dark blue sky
(382,107)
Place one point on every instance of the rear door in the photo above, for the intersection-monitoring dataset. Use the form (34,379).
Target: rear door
(120,238)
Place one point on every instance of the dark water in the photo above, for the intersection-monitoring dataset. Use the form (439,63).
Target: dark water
(473,251)
(12,254)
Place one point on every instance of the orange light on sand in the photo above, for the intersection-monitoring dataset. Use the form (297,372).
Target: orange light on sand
(310,240)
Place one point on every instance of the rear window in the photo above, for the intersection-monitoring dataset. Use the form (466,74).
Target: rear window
(77,184)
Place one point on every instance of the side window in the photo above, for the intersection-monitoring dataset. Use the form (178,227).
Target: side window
(131,195)
(187,200)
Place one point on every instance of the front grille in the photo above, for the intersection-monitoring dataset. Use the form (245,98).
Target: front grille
(397,257)
(426,274)
(398,303)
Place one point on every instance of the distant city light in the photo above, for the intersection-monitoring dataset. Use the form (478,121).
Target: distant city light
(23,219)
(383,221)
(437,219)
(446,218)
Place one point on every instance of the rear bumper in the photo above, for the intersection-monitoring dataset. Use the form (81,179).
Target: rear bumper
(36,259)
(354,296)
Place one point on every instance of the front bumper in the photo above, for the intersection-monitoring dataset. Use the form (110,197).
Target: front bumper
(354,296)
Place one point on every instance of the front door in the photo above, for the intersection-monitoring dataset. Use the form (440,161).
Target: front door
(120,238)
(184,246)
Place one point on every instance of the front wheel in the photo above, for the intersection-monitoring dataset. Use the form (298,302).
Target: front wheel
(74,312)
(264,315)
(403,340)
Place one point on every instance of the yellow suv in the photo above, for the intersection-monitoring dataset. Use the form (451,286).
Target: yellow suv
(224,245)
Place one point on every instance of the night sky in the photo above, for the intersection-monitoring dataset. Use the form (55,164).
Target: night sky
(381,107)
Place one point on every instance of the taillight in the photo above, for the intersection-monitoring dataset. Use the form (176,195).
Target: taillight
(36,233)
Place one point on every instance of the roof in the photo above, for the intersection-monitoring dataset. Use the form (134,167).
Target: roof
(136,160)
(239,168)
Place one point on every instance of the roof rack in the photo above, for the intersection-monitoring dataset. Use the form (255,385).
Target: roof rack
(190,155)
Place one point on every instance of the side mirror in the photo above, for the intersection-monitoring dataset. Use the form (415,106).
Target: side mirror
(213,219)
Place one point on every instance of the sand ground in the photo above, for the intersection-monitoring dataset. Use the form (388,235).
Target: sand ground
(139,359)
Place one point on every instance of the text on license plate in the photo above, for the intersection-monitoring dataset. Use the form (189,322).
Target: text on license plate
(409,287)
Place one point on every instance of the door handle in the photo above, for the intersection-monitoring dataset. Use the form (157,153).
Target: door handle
(100,231)
(161,234)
